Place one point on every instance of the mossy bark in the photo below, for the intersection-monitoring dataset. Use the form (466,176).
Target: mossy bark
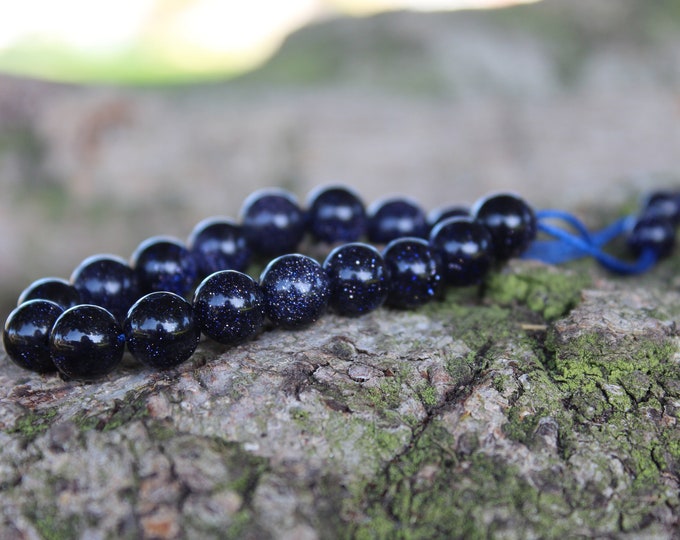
(487,413)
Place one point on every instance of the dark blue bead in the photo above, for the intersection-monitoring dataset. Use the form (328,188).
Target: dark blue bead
(652,233)
(336,214)
(57,290)
(229,307)
(296,290)
(663,204)
(395,218)
(26,335)
(165,264)
(219,244)
(465,248)
(273,223)
(358,279)
(107,281)
(86,342)
(440,214)
(414,273)
(160,330)
(511,222)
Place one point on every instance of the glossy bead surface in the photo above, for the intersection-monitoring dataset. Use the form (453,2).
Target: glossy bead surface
(86,342)
(26,335)
(663,204)
(336,214)
(219,244)
(160,330)
(56,290)
(296,290)
(107,281)
(414,274)
(229,307)
(465,249)
(358,279)
(438,215)
(395,218)
(164,264)
(273,222)
(511,222)
(653,233)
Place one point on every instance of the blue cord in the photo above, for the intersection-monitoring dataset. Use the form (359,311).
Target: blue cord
(569,246)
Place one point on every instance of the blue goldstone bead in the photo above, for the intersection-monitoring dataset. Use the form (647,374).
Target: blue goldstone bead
(663,204)
(440,214)
(273,223)
(296,290)
(219,244)
(465,248)
(165,264)
(86,342)
(358,279)
(414,273)
(336,214)
(652,233)
(26,335)
(57,290)
(511,222)
(229,307)
(107,281)
(160,330)
(389,219)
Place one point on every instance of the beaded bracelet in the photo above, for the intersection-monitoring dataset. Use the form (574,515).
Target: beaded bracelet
(81,327)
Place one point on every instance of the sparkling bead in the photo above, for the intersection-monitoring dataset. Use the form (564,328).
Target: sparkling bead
(440,214)
(336,214)
(414,274)
(273,223)
(219,244)
(663,204)
(86,342)
(465,249)
(165,264)
(160,330)
(296,290)
(358,279)
(57,290)
(107,281)
(511,222)
(229,307)
(395,218)
(652,232)
(26,334)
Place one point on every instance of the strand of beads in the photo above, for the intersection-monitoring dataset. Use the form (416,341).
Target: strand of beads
(81,327)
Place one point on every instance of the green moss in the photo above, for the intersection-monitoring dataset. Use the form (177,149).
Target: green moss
(429,397)
(387,394)
(34,422)
(132,407)
(51,526)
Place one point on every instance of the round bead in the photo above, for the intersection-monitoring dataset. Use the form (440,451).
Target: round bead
(164,264)
(395,218)
(219,244)
(336,214)
(57,290)
(511,222)
(86,342)
(107,281)
(465,248)
(160,330)
(440,214)
(652,233)
(358,279)
(273,223)
(663,204)
(414,274)
(26,335)
(296,290)
(229,307)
